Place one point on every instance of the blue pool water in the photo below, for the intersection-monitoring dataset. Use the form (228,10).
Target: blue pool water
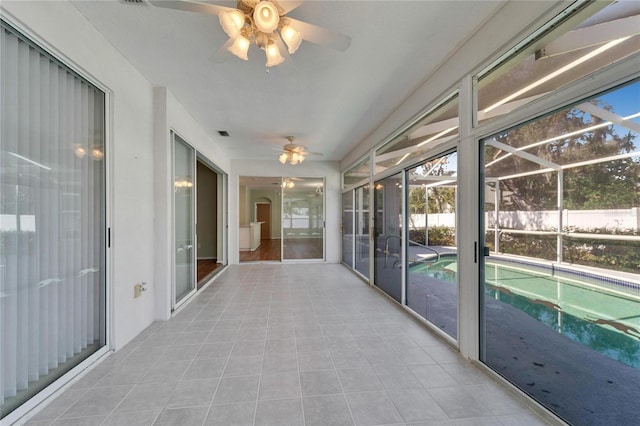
(604,319)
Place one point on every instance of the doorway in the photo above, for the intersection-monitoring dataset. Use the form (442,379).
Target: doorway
(260,205)
(281,218)
(199,220)
(208,222)
(263,215)
(303,219)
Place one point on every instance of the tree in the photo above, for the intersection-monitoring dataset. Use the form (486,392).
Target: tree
(612,184)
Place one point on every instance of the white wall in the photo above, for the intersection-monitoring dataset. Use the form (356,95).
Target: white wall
(271,167)
(170,115)
(139,156)
(544,220)
(129,153)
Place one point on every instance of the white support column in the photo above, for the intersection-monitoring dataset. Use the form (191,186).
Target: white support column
(426,216)
(354,226)
(163,187)
(372,231)
(404,246)
(496,234)
(560,212)
(467,226)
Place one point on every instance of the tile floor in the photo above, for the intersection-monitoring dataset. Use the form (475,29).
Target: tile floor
(272,344)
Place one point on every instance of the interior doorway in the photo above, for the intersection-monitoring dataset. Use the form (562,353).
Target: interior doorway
(260,214)
(263,215)
(281,219)
(209,222)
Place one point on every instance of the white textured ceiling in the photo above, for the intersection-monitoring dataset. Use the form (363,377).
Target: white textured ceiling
(328,100)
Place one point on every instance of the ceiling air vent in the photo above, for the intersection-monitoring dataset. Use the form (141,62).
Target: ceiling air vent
(223,133)
(138,2)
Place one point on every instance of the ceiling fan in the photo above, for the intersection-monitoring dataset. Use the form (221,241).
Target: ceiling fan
(293,153)
(261,22)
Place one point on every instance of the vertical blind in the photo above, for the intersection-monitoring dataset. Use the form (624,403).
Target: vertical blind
(52,219)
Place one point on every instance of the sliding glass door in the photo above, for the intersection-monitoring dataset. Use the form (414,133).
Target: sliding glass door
(303,219)
(388,236)
(560,287)
(361,198)
(347,228)
(184,220)
(52,220)
(432,290)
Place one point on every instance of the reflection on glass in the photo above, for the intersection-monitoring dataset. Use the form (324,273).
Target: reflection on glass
(432,290)
(436,127)
(604,38)
(184,217)
(568,336)
(52,220)
(362,229)
(388,236)
(347,228)
(357,173)
(303,219)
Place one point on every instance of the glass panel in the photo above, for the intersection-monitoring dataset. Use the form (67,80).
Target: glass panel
(432,289)
(184,216)
(568,336)
(260,217)
(357,173)
(559,59)
(438,126)
(362,229)
(52,220)
(347,228)
(388,235)
(303,219)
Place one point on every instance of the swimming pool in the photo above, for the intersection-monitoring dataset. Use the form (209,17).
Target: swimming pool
(601,316)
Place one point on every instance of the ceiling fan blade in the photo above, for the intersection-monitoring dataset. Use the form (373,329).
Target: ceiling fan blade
(311,153)
(222,54)
(322,36)
(191,6)
(288,5)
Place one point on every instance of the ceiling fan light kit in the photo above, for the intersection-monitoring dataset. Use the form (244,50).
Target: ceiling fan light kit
(287,184)
(266,16)
(273,55)
(291,156)
(232,22)
(262,22)
(259,23)
(293,153)
(240,47)
(291,37)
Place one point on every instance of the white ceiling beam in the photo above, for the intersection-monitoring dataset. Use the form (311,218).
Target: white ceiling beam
(591,36)
(610,116)
(416,180)
(439,126)
(523,154)
(566,166)
(399,153)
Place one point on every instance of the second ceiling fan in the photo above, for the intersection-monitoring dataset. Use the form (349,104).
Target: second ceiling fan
(294,153)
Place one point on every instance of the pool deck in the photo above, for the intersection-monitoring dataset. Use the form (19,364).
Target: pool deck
(583,386)
(578,383)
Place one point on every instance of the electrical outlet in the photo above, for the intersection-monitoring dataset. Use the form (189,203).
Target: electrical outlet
(137,290)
